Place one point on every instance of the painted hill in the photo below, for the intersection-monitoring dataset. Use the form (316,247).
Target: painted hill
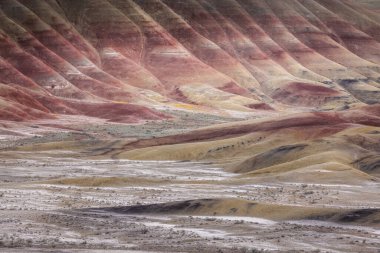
(123,60)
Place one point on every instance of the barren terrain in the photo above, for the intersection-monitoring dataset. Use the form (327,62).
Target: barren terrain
(45,210)
(190,126)
(68,198)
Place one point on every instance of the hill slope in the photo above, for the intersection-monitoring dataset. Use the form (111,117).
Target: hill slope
(134,56)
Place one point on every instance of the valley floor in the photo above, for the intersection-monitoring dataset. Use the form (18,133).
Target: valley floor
(61,191)
(44,201)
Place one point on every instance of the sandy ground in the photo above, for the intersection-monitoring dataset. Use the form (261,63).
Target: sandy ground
(42,212)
